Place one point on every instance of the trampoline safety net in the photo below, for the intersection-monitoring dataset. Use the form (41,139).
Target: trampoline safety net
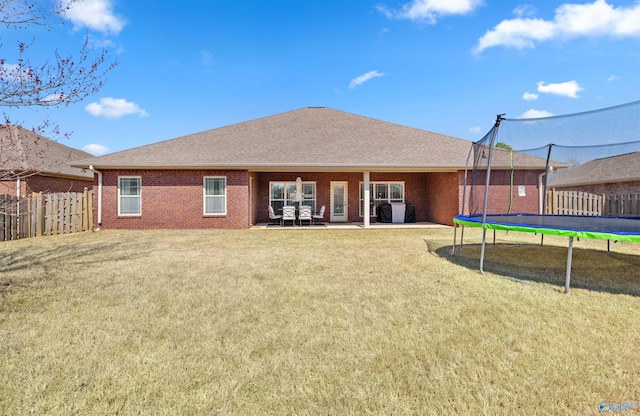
(585,164)
(576,176)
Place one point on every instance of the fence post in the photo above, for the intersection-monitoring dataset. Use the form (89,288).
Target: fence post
(2,218)
(60,213)
(90,210)
(29,219)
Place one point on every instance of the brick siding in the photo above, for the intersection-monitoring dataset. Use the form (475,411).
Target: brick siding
(44,184)
(501,191)
(174,199)
(444,194)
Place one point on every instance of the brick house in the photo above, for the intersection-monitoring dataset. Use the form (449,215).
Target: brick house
(31,163)
(229,176)
(605,176)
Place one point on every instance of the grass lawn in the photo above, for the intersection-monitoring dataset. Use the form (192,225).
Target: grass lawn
(315,322)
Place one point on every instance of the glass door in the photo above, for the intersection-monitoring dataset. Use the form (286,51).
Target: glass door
(339,205)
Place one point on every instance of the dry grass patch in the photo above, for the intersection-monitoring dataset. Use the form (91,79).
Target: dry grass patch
(314,322)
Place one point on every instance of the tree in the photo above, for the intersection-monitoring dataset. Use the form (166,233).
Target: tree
(503,145)
(57,82)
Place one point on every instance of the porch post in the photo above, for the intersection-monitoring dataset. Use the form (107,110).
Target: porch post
(367,199)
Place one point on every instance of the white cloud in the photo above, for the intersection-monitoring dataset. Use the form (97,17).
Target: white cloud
(10,71)
(525,10)
(94,14)
(429,10)
(613,77)
(529,96)
(567,89)
(364,78)
(536,114)
(475,130)
(95,149)
(571,20)
(115,108)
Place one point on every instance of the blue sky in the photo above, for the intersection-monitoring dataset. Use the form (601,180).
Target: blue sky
(448,66)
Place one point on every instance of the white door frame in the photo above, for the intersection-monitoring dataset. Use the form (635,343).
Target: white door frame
(344,217)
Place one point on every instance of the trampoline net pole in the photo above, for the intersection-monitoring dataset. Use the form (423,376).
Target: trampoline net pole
(546,178)
(453,248)
(486,189)
(569,256)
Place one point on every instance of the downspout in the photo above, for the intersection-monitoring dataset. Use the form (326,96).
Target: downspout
(91,168)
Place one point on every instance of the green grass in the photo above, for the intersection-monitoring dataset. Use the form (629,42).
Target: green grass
(314,322)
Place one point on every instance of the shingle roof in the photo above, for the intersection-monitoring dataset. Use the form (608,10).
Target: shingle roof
(622,168)
(313,138)
(25,151)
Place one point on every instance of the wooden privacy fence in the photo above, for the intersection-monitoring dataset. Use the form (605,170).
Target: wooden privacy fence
(584,203)
(627,205)
(45,214)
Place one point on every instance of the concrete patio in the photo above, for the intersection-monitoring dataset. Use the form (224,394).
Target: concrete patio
(350,226)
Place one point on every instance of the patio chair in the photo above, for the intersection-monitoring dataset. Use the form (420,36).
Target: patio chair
(305,214)
(288,214)
(273,217)
(320,215)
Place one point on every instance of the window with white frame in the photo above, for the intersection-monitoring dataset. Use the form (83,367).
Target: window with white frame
(284,193)
(215,195)
(129,195)
(381,192)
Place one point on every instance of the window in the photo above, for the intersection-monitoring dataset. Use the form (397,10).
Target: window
(215,195)
(129,195)
(284,193)
(381,192)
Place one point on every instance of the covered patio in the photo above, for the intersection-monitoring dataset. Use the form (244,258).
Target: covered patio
(357,197)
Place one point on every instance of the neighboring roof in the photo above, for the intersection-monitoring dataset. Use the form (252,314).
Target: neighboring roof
(22,150)
(621,168)
(312,138)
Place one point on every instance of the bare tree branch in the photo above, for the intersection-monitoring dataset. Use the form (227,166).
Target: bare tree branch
(59,81)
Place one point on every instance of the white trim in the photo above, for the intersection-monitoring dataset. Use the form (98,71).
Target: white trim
(204,197)
(373,197)
(345,215)
(367,198)
(139,196)
(290,201)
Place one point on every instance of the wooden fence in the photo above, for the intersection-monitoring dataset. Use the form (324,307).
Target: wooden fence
(627,205)
(584,203)
(45,214)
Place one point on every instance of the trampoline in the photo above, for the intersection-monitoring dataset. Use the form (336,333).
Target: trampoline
(579,226)
(583,183)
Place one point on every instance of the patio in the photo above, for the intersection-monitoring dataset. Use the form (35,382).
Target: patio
(351,226)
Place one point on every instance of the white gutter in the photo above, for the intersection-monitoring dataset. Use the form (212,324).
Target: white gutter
(99,193)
